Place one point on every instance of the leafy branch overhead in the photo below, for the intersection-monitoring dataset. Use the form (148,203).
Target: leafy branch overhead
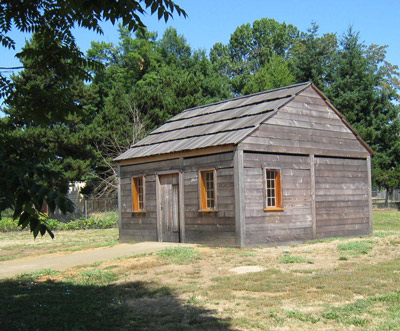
(44,145)
(63,15)
(52,23)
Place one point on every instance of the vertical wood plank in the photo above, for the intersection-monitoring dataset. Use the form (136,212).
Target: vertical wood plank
(369,192)
(313,208)
(181,208)
(119,202)
(158,204)
(238,178)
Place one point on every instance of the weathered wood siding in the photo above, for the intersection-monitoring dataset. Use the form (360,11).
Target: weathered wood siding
(306,125)
(292,224)
(141,226)
(215,228)
(341,194)
(334,202)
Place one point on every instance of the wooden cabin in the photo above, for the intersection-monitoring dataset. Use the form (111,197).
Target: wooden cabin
(281,166)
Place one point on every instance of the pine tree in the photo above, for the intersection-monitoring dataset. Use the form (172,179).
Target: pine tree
(359,89)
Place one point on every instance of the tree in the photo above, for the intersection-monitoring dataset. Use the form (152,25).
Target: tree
(144,81)
(250,48)
(313,57)
(365,89)
(275,73)
(26,184)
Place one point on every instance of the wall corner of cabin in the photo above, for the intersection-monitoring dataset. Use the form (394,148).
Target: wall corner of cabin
(119,201)
(238,179)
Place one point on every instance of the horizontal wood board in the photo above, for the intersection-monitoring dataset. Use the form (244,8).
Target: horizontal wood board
(294,223)
(214,228)
(306,125)
(342,207)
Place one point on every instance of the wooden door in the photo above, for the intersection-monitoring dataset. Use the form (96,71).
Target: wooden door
(169,207)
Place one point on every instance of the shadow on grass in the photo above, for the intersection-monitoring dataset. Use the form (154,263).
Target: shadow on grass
(29,305)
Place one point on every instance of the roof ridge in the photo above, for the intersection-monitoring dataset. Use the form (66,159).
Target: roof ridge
(246,96)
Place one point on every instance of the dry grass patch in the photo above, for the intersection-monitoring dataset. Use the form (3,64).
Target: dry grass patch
(174,291)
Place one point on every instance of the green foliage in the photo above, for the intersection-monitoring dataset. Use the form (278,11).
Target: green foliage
(275,73)
(179,255)
(355,247)
(43,94)
(99,221)
(8,224)
(251,48)
(363,86)
(61,128)
(313,57)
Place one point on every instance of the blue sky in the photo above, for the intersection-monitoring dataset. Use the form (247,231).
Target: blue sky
(212,21)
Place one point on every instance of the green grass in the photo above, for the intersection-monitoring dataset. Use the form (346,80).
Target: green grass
(287,258)
(386,220)
(14,245)
(64,305)
(97,277)
(355,247)
(38,274)
(179,255)
(181,291)
(363,311)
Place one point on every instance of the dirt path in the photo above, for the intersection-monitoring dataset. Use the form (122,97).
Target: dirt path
(62,262)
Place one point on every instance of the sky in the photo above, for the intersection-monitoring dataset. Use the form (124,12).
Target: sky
(211,21)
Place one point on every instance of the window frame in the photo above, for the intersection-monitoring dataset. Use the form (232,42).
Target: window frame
(278,189)
(135,195)
(203,190)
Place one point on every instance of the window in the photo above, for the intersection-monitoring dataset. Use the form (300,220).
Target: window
(273,191)
(138,194)
(207,190)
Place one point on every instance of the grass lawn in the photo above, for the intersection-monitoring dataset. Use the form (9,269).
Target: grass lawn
(19,244)
(386,219)
(334,284)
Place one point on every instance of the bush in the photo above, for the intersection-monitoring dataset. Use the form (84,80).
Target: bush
(97,221)
(8,224)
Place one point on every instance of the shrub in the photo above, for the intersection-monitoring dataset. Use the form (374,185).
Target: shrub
(8,224)
(97,221)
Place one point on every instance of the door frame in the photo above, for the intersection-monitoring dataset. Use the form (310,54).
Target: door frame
(181,207)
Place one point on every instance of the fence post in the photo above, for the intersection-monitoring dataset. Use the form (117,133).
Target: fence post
(86,213)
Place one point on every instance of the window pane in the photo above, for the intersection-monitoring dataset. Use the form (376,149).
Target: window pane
(139,197)
(209,189)
(270,188)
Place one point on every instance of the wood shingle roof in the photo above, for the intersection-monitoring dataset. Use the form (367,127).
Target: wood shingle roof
(217,124)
